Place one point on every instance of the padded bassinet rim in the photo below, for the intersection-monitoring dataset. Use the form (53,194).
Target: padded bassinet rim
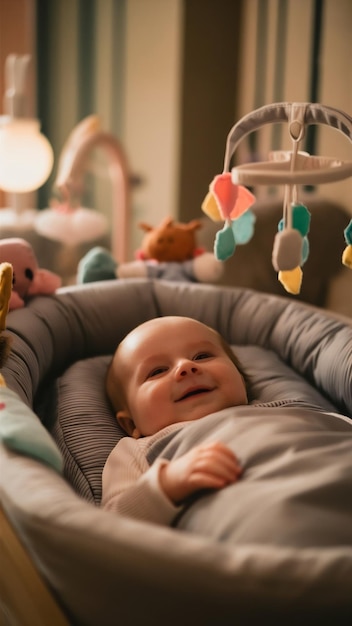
(90,320)
(150,570)
(157,571)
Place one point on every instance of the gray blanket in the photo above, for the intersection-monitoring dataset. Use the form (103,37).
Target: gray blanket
(296,489)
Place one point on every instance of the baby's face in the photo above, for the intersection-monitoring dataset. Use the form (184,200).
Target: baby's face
(175,369)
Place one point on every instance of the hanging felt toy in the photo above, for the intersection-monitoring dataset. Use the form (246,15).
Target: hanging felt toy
(289,255)
(347,253)
(229,199)
(229,202)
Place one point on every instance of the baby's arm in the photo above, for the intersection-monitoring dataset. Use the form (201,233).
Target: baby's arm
(132,488)
(156,493)
(208,466)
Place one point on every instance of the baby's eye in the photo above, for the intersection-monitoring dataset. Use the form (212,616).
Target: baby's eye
(202,355)
(156,371)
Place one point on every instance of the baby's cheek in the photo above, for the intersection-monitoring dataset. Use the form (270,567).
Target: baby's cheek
(242,392)
(148,404)
(239,392)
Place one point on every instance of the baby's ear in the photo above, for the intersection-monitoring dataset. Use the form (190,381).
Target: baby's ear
(127,423)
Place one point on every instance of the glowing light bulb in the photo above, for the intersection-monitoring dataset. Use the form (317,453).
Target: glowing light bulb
(26,156)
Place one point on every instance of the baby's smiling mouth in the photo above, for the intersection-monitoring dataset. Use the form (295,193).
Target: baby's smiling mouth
(195,391)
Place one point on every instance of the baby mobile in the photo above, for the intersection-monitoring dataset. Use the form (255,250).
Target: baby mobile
(229,200)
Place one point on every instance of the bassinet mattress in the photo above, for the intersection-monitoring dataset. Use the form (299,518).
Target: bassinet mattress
(104,569)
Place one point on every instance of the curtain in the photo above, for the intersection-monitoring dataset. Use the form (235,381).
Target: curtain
(80,71)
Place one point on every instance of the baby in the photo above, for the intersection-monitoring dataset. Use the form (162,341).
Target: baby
(167,372)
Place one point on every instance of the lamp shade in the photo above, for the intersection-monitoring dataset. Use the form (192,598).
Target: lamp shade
(26,156)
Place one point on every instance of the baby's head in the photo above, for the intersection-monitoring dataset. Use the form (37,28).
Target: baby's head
(170,370)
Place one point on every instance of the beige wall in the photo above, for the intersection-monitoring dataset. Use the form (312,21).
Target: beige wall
(17,36)
(152,106)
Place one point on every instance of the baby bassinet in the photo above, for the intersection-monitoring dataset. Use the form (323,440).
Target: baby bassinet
(98,569)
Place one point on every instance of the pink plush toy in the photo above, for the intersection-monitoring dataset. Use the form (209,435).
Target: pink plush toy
(28,278)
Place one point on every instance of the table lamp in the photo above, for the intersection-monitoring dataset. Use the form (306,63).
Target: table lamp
(26,156)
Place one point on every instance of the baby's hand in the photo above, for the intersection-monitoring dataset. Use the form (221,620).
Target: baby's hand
(209,466)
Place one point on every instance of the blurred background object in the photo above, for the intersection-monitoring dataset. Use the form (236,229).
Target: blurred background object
(168,78)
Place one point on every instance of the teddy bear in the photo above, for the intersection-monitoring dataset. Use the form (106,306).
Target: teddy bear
(168,251)
(28,278)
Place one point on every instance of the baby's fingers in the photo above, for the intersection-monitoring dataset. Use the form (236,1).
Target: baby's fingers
(218,463)
(213,478)
(220,459)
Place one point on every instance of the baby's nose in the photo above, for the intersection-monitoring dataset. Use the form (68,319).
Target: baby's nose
(185,368)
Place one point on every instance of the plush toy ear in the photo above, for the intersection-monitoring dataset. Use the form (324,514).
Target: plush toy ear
(168,222)
(146,227)
(194,225)
(44,282)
